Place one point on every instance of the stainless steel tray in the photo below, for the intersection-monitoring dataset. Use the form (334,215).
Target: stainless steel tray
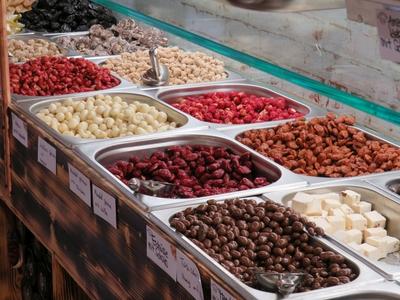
(382,181)
(187,124)
(99,154)
(232,76)
(382,202)
(172,95)
(233,133)
(366,275)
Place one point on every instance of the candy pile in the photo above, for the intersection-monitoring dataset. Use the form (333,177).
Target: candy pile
(19,6)
(13,24)
(23,50)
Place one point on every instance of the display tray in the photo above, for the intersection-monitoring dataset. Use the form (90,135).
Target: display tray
(102,154)
(172,95)
(384,203)
(186,123)
(389,183)
(365,275)
(231,76)
(234,133)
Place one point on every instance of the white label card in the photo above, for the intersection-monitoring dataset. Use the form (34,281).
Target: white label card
(104,205)
(19,130)
(47,155)
(388,23)
(188,275)
(161,252)
(79,184)
(219,293)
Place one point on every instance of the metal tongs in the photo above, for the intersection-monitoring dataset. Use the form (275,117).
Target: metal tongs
(158,75)
(282,283)
(151,187)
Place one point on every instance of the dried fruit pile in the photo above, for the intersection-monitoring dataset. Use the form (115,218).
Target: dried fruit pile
(244,236)
(326,147)
(236,108)
(196,170)
(47,76)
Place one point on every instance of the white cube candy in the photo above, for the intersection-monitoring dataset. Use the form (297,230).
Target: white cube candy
(305,204)
(337,222)
(377,242)
(378,231)
(330,203)
(333,196)
(362,207)
(346,209)
(355,246)
(354,236)
(336,212)
(392,244)
(342,236)
(375,219)
(319,213)
(323,223)
(350,197)
(356,221)
(371,252)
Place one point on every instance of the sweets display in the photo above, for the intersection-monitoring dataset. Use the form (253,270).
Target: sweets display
(184,67)
(102,117)
(349,220)
(196,171)
(45,76)
(126,36)
(66,16)
(236,108)
(326,147)
(19,6)
(244,236)
(23,50)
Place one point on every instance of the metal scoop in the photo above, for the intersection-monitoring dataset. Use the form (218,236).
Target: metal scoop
(158,75)
(282,283)
(151,187)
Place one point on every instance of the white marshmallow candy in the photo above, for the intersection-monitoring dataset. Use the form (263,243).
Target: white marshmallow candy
(375,219)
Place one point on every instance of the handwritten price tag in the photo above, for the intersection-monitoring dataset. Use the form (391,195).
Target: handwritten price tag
(47,155)
(19,130)
(79,184)
(161,252)
(219,293)
(104,205)
(188,275)
(388,23)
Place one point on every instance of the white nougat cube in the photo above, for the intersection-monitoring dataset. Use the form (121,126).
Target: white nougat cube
(330,203)
(341,236)
(354,236)
(346,209)
(333,196)
(379,243)
(356,221)
(336,212)
(378,231)
(355,246)
(350,197)
(304,203)
(323,223)
(392,244)
(371,252)
(337,222)
(362,207)
(375,219)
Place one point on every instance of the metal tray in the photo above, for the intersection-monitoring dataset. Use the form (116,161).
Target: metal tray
(232,76)
(25,37)
(383,181)
(382,202)
(187,124)
(172,95)
(366,276)
(124,84)
(100,154)
(233,133)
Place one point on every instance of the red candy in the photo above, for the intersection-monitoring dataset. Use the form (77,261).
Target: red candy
(236,108)
(196,170)
(46,76)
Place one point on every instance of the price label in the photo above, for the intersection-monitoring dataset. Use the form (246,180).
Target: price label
(104,205)
(47,155)
(19,130)
(188,275)
(79,184)
(219,293)
(388,23)
(161,252)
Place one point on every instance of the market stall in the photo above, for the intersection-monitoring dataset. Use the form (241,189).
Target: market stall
(148,162)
